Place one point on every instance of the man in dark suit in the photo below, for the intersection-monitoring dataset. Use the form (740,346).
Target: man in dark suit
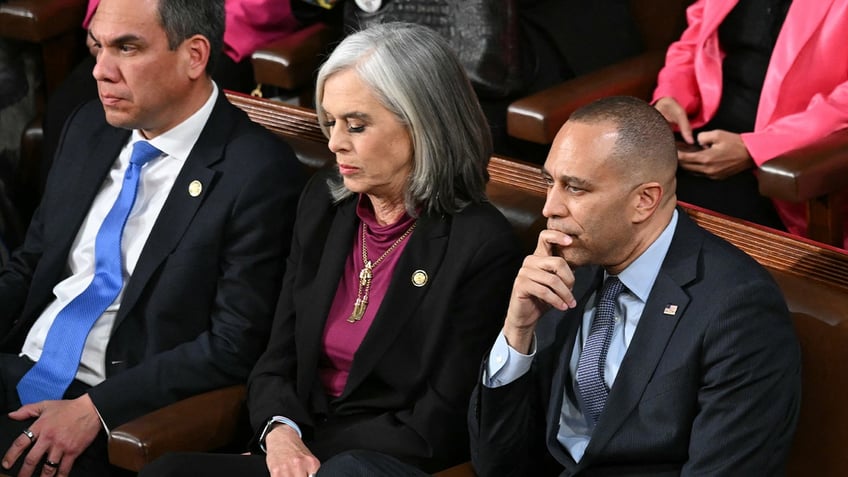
(688,366)
(192,268)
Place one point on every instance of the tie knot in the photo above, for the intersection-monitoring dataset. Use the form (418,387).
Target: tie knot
(143,152)
(611,289)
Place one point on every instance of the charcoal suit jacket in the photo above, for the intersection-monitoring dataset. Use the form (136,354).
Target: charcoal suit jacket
(710,384)
(196,311)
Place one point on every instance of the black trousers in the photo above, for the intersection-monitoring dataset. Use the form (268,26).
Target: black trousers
(94,462)
(357,463)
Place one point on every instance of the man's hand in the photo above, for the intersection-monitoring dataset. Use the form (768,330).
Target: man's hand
(724,155)
(545,280)
(674,113)
(287,455)
(62,429)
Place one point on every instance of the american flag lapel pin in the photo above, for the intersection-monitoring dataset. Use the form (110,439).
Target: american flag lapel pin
(670,309)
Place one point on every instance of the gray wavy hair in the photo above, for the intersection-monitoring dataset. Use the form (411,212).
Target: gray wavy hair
(414,74)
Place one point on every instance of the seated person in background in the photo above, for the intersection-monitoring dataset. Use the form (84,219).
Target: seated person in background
(684,362)
(6,218)
(393,285)
(748,81)
(513,48)
(150,270)
(9,226)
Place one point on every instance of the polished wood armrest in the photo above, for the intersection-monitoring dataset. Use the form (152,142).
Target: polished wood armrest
(290,62)
(53,24)
(538,117)
(818,175)
(204,422)
(39,20)
(808,172)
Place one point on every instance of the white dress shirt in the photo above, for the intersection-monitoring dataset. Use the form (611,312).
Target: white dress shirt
(157,179)
(505,364)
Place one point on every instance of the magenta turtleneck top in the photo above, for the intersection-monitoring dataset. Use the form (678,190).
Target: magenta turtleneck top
(341,338)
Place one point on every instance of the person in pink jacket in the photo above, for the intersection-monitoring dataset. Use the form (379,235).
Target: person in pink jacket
(748,81)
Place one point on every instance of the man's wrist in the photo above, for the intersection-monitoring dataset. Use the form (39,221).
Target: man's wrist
(87,398)
(520,338)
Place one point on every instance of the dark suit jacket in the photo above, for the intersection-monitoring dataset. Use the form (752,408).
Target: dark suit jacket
(407,393)
(710,389)
(196,311)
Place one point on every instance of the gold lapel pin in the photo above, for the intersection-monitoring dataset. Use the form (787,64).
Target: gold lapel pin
(419,278)
(195,188)
(670,310)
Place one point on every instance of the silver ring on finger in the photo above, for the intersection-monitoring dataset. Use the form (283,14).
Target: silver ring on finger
(29,435)
(50,463)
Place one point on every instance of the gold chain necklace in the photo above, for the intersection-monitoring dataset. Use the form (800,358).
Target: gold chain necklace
(366,273)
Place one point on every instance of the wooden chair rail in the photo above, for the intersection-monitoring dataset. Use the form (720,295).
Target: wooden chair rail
(284,119)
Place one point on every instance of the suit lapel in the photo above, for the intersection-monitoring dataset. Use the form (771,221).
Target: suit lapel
(180,207)
(86,181)
(714,13)
(310,327)
(802,20)
(83,182)
(425,251)
(655,328)
(707,63)
(566,337)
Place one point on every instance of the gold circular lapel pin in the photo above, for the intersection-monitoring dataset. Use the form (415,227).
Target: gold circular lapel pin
(419,278)
(195,188)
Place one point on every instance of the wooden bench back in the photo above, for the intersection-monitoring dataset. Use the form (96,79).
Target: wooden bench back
(814,280)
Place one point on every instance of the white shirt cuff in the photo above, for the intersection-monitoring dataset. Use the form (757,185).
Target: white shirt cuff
(505,364)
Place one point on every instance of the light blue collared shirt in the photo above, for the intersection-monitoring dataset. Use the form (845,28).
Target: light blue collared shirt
(505,364)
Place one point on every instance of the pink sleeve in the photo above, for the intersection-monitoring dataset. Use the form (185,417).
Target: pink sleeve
(92,6)
(677,77)
(825,114)
(254,23)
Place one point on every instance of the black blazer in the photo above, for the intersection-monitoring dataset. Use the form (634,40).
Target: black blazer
(711,388)
(196,311)
(407,393)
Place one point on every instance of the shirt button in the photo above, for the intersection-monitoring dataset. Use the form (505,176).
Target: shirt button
(499,359)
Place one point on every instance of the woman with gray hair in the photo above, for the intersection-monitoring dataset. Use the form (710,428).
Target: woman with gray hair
(398,277)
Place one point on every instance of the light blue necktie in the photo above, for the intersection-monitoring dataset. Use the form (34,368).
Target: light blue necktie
(590,366)
(54,371)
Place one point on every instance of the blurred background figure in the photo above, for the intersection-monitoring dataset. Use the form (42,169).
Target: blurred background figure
(513,48)
(19,78)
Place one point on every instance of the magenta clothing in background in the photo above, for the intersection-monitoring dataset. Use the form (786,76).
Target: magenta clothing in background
(250,24)
(341,338)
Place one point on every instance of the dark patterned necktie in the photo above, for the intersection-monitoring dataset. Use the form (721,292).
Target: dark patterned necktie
(590,366)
